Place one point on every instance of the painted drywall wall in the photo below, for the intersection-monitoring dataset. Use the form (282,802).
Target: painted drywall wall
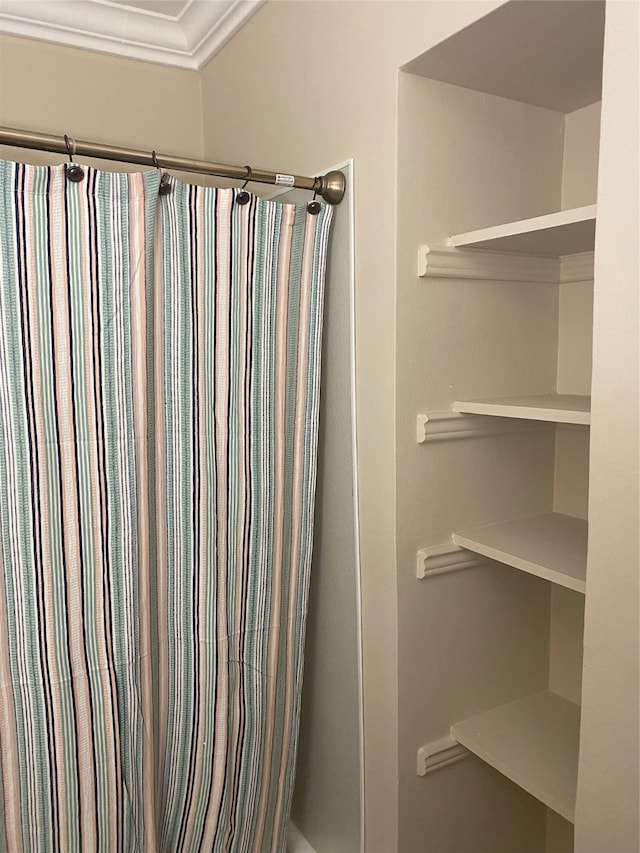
(579,187)
(571,482)
(559,834)
(608,777)
(53,89)
(567,627)
(574,338)
(580,167)
(315,82)
(571,497)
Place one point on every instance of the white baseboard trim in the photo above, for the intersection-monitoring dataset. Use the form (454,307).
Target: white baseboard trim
(296,842)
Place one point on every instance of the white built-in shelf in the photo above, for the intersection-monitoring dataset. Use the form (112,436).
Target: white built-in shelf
(558,408)
(567,232)
(551,546)
(534,742)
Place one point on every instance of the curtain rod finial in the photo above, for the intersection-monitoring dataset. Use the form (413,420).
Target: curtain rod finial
(332,187)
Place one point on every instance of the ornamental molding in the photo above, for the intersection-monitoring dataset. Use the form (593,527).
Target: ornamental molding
(445,558)
(483,265)
(187,40)
(438,754)
(445,426)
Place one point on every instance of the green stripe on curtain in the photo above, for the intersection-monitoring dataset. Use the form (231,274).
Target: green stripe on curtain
(159,395)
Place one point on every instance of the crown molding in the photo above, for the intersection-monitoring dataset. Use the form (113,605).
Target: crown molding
(188,40)
(206,36)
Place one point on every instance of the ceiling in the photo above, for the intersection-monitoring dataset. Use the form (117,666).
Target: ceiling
(184,33)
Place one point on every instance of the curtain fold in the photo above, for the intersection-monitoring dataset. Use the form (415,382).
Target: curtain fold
(159,393)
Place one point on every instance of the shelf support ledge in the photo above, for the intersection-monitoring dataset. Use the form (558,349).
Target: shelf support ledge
(438,754)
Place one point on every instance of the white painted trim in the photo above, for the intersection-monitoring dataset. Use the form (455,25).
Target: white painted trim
(188,41)
(207,37)
(438,754)
(444,426)
(348,166)
(445,558)
(446,262)
(96,26)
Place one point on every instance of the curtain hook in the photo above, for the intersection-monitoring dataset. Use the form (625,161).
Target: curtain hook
(243,195)
(314,206)
(165,180)
(73,171)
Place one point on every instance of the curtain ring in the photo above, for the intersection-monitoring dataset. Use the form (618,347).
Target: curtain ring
(165,180)
(243,196)
(73,171)
(314,206)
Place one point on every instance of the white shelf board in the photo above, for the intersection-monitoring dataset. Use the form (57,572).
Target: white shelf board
(551,546)
(567,232)
(557,408)
(534,742)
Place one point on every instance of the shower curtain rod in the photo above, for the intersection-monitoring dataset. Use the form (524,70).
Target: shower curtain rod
(331,187)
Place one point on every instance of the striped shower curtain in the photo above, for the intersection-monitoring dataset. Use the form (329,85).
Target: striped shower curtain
(159,393)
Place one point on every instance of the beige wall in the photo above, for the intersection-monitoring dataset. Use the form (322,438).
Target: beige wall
(98,97)
(308,84)
(581,146)
(608,795)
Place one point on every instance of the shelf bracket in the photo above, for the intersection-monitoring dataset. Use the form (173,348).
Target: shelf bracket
(480,264)
(443,426)
(484,265)
(442,559)
(438,754)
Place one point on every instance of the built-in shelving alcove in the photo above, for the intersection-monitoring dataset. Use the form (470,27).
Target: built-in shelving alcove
(498,154)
